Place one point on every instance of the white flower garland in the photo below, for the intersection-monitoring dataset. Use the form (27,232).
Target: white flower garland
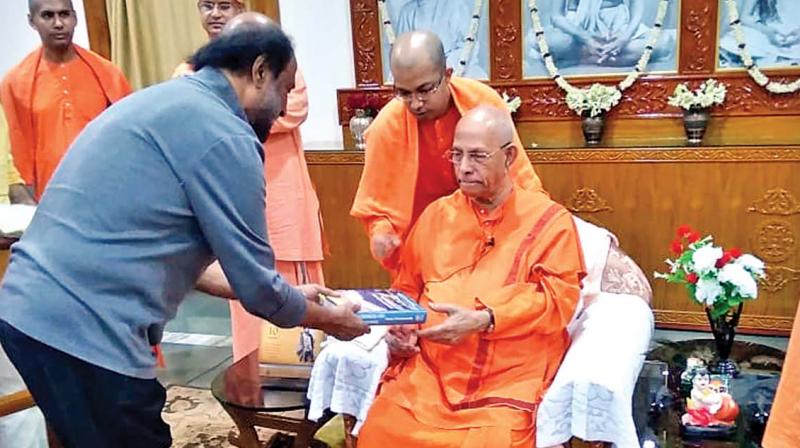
(752,69)
(631,77)
(469,40)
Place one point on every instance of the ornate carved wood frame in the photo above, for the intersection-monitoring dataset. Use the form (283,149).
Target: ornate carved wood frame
(543,100)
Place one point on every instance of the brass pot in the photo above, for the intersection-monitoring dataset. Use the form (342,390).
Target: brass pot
(695,122)
(593,129)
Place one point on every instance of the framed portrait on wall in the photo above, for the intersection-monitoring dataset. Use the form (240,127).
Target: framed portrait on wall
(600,37)
(771,32)
(450,20)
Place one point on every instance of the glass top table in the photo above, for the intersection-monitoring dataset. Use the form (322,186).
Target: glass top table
(253,400)
(657,405)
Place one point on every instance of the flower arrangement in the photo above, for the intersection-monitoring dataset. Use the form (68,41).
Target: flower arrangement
(593,100)
(370,104)
(715,278)
(710,93)
(512,102)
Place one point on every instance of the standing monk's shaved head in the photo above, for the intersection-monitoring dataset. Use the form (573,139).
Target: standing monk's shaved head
(420,74)
(35,5)
(415,48)
(249,21)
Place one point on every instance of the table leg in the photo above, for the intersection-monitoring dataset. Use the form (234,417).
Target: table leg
(349,423)
(248,437)
(305,433)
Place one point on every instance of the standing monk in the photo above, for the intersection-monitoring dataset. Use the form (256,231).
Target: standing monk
(293,217)
(54,92)
(498,268)
(405,169)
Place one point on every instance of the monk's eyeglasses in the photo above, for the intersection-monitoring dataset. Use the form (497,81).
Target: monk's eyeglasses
(421,94)
(477,157)
(207,6)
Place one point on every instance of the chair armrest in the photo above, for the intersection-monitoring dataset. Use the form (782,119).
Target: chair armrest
(15,402)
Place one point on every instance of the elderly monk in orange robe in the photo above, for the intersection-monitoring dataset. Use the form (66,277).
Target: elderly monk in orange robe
(54,92)
(293,217)
(404,167)
(783,427)
(498,268)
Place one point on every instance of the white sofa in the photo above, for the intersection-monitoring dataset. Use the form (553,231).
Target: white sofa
(591,395)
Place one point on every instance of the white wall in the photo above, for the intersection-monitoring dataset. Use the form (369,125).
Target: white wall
(18,38)
(324,48)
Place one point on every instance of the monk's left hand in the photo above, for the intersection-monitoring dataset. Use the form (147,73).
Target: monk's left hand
(460,322)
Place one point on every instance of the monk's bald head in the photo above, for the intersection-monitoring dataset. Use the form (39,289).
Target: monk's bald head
(35,5)
(483,151)
(421,78)
(416,49)
(250,21)
(493,123)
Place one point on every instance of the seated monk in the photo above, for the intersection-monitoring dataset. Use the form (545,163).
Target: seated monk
(498,269)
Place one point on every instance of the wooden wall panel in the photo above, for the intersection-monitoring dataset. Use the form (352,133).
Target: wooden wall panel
(746,196)
(348,264)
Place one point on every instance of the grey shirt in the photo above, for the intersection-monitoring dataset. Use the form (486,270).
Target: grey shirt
(146,197)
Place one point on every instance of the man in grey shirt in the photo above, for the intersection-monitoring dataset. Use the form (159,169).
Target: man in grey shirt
(149,194)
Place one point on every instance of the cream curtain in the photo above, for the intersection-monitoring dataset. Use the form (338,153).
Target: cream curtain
(149,38)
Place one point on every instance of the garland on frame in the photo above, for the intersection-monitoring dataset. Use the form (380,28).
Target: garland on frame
(469,40)
(752,68)
(623,85)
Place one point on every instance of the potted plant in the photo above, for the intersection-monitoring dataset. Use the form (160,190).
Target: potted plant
(696,104)
(592,103)
(718,280)
(365,107)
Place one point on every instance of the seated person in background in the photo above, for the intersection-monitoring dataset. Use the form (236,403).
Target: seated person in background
(498,268)
(608,32)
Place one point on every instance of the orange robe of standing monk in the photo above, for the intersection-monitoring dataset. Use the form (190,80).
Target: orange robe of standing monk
(783,427)
(47,105)
(523,261)
(396,183)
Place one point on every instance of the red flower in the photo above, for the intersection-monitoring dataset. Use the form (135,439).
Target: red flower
(692,278)
(676,247)
(684,230)
(735,252)
(357,101)
(693,236)
(724,259)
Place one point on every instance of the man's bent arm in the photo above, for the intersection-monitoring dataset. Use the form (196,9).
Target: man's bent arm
(226,190)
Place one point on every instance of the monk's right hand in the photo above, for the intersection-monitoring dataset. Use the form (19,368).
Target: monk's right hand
(383,245)
(402,341)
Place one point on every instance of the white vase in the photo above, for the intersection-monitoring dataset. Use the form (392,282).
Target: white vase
(358,125)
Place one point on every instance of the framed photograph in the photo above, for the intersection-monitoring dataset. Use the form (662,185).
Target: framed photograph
(450,20)
(600,37)
(771,32)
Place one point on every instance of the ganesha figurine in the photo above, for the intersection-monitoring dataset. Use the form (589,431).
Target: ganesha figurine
(711,411)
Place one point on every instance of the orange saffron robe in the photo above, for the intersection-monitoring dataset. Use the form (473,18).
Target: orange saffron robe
(385,200)
(524,262)
(48,104)
(783,427)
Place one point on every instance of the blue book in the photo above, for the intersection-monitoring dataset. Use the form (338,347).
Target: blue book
(383,306)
